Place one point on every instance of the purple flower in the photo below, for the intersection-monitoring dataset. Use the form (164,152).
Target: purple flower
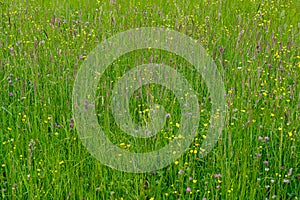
(260,126)
(71,120)
(168,115)
(71,125)
(267,138)
(11,94)
(217,175)
(188,189)
(190,178)
(258,155)
(181,171)
(266,162)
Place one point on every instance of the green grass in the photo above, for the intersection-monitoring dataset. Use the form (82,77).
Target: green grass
(44,43)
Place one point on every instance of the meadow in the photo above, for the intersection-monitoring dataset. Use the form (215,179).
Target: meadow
(255,45)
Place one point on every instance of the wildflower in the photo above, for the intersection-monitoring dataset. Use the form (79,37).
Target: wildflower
(188,189)
(266,162)
(286,181)
(217,175)
(181,171)
(11,94)
(14,186)
(290,172)
(272,181)
(267,187)
(267,169)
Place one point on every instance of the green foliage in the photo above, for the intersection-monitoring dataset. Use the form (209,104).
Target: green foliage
(43,44)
